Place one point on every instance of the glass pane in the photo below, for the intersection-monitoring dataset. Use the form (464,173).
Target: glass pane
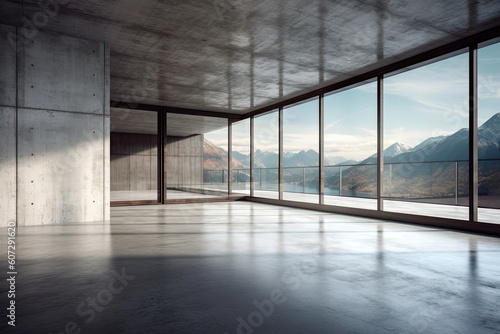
(215,162)
(351,147)
(241,157)
(134,158)
(426,137)
(300,152)
(489,133)
(185,156)
(266,145)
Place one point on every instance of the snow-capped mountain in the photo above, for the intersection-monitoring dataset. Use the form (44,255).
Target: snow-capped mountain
(335,160)
(456,145)
(430,141)
(489,138)
(396,149)
(440,148)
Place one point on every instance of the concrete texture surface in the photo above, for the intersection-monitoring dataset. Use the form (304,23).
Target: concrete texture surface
(184,162)
(178,125)
(107,161)
(61,140)
(120,172)
(134,121)
(60,167)
(133,161)
(61,73)
(237,56)
(208,268)
(8,66)
(8,189)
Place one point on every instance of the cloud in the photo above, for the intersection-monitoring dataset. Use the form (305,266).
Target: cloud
(370,132)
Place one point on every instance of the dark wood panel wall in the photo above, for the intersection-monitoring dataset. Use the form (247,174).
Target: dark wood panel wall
(133,161)
(184,159)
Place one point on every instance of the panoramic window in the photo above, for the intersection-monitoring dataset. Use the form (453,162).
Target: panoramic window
(300,152)
(489,133)
(266,155)
(350,135)
(426,117)
(241,157)
(185,158)
(215,162)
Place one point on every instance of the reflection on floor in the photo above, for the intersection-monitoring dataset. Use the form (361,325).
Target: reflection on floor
(134,195)
(152,195)
(244,267)
(445,211)
(435,210)
(176,194)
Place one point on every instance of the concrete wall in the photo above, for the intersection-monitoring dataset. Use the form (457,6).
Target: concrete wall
(133,161)
(7,127)
(184,159)
(54,119)
(7,165)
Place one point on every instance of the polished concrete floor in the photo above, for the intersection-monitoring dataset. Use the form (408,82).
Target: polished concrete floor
(244,267)
(486,215)
(152,195)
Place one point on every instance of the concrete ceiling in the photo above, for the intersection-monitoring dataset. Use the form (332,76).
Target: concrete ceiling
(134,121)
(180,125)
(239,55)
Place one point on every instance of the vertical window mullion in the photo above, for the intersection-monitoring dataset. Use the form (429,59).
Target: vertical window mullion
(321,150)
(280,159)
(473,122)
(380,142)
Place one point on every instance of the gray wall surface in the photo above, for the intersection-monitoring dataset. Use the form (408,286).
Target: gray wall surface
(133,161)
(54,120)
(184,159)
(7,165)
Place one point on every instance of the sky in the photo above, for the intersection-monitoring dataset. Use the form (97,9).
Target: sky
(428,101)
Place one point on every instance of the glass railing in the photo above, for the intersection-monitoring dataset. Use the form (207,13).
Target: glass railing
(437,182)
(351,180)
(215,179)
(266,179)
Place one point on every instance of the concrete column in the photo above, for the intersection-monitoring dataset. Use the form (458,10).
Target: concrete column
(8,191)
(59,129)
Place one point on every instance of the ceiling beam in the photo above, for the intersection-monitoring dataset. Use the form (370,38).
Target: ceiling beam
(174,110)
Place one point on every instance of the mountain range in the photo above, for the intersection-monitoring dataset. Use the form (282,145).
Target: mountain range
(215,157)
(456,146)
(418,172)
(425,179)
(441,148)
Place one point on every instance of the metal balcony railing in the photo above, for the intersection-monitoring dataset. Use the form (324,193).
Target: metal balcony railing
(402,180)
